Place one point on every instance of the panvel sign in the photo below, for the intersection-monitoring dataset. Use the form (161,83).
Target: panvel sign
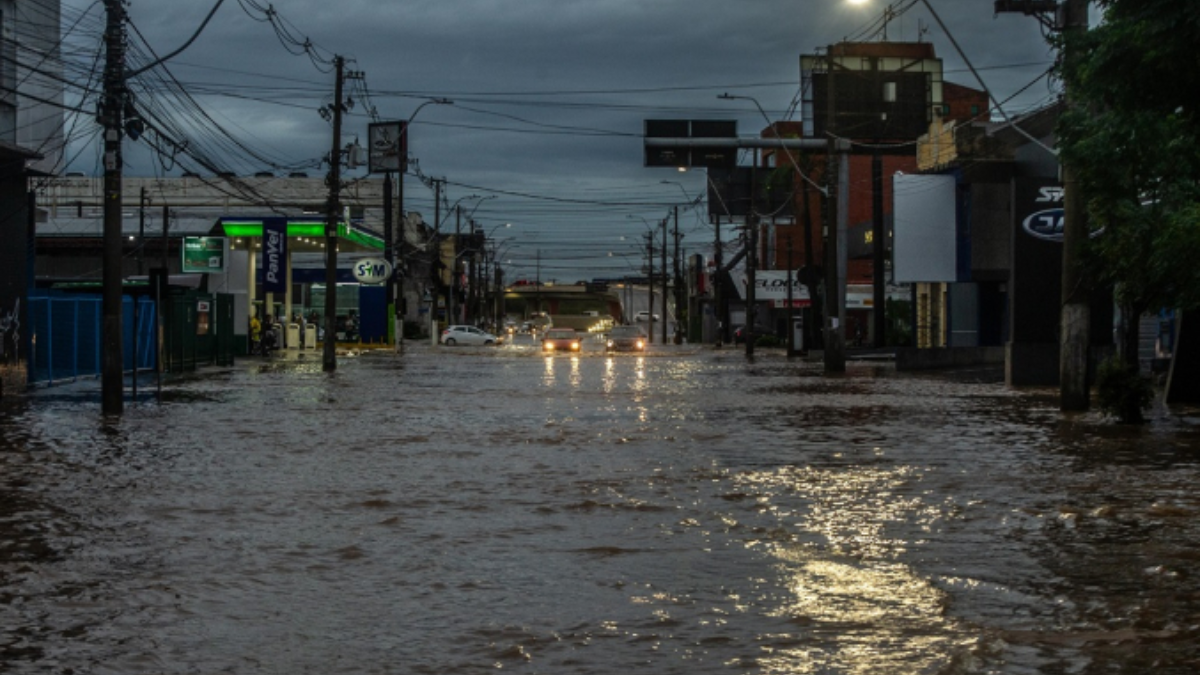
(274,253)
(372,271)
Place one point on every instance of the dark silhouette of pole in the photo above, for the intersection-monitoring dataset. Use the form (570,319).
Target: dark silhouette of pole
(719,299)
(141,245)
(650,284)
(329,355)
(678,280)
(879,241)
(748,331)
(389,254)
(112,376)
(791,314)
(835,346)
(1075,336)
(663,258)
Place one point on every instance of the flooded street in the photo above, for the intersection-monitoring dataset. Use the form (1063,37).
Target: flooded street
(474,510)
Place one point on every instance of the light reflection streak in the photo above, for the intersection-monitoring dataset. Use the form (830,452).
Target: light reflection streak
(576,374)
(859,610)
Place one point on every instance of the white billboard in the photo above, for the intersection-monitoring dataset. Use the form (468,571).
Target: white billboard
(924,246)
(772,285)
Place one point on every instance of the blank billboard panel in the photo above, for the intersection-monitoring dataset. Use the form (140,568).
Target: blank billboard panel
(924,245)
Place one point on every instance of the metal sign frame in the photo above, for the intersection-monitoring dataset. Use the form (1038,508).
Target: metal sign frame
(387,147)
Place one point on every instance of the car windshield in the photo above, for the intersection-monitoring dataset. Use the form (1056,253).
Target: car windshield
(555,333)
(626,332)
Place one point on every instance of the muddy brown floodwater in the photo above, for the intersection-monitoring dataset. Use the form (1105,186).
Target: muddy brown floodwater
(472,510)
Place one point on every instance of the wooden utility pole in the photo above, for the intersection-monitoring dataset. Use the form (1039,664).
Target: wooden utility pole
(112,375)
(1074,338)
(332,216)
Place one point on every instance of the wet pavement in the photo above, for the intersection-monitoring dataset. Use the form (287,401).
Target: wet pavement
(463,510)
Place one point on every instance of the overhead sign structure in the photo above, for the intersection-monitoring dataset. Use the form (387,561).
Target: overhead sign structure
(372,271)
(387,147)
(274,253)
(729,193)
(204,255)
(689,155)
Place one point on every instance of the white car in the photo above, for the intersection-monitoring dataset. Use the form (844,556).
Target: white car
(644,316)
(468,335)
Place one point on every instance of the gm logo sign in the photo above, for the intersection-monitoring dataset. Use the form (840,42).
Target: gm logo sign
(372,271)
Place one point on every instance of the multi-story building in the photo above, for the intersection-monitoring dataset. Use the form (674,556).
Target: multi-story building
(30,141)
(881,96)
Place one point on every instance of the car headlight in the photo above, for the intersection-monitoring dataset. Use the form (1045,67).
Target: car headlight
(640,344)
(575,346)
(548,346)
(610,343)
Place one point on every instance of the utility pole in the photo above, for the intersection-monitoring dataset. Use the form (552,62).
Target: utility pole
(329,357)
(835,346)
(1075,338)
(451,309)
(749,331)
(113,367)
(650,282)
(678,281)
(436,254)
(879,237)
(141,245)
(665,289)
(791,314)
(166,222)
(388,256)
(719,300)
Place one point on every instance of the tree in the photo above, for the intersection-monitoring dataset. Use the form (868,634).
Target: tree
(1133,138)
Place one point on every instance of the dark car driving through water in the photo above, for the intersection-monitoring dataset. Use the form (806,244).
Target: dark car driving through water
(626,339)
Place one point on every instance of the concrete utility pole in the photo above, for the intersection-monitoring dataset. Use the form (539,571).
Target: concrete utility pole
(650,285)
(112,374)
(1074,339)
(112,120)
(389,257)
(664,273)
(329,356)
(719,300)
(678,281)
(835,345)
(878,250)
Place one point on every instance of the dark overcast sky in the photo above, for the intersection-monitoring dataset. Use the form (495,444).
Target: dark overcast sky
(550,95)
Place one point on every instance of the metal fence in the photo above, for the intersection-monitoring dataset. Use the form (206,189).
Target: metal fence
(66,335)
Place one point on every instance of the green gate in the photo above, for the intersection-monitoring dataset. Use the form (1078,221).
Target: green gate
(199,331)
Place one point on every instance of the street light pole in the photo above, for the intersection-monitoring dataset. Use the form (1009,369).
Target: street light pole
(392,244)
